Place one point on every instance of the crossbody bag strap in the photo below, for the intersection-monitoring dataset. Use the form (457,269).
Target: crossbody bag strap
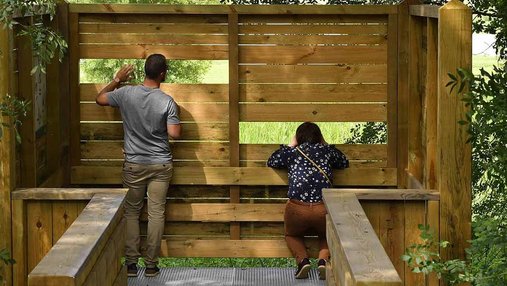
(315,164)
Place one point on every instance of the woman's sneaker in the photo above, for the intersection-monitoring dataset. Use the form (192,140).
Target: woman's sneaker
(303,269)
(151,271)
(132,270)
(321,266)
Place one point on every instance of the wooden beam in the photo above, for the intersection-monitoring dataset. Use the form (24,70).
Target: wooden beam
(355,249)
(231,248)
(427,11)
(75,127)
(240,9)
(403,88)
(7,151)
(79,248)
(387,194)
(57,194)
(242,176)
(453,152)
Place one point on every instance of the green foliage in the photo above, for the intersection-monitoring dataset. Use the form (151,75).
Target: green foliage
(182,71)
(46,43)
(5,257)
(486,120)
(13,107)
(425,258)
(488,252)
(368,133)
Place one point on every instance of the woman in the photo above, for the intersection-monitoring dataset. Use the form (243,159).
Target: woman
(310,161)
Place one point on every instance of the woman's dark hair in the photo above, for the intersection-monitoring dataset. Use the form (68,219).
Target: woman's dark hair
(309,132)
(155,65)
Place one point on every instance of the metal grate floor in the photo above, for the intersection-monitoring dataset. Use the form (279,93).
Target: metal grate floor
(225,276)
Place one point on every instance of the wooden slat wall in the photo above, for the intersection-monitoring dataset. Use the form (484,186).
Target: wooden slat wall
(290,68)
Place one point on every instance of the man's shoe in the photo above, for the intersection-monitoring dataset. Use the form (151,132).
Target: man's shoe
(321,266)
(303,269)
(132,270)
(151,271)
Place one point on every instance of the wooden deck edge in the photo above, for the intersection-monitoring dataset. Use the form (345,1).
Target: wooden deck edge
(71,259)
(385,194)
(355,248)
(62,193)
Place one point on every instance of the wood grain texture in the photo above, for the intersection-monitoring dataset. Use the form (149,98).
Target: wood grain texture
(179,92)
(19,247)
(313,54)
(313,112)
(80,247)
(237,176)
(142,51)
(193,131)
(7,153)
(196,112)
(313,74)
(364,260)
(313,93)
(240,9)
(333,39)
(392,91)
(74,89)
(453,151)
(39,232)
(230,248)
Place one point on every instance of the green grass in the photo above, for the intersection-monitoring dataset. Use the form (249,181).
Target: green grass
(282,132)
(486,62)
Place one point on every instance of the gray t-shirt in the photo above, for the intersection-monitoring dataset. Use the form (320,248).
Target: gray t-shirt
(145,112)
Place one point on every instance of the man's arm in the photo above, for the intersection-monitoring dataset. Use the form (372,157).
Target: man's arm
(174,130)
(122,75)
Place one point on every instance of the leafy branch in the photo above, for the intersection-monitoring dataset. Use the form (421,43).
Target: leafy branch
(13,107)
(5,257)
(46,43)
(425,258)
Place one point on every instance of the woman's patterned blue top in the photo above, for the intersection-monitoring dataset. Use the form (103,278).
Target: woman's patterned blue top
(305,180)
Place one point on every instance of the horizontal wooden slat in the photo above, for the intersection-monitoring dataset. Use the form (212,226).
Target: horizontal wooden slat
(428,11)
(192,228)
(198,112)
(231,248)
(352,163)
(378,29)
(240,9)
(313,93)
(313,74)
(313,39)
(237,176)
(154,18)
(149,28)
(176,163)
(315,19)
(191,131)
(179,92)
(314,54)
(352,151)
(313,112)
(121,51)
(224,212)
(181,150)
(151,39)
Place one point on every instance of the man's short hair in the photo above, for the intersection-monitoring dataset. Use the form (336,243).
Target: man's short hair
(155,65)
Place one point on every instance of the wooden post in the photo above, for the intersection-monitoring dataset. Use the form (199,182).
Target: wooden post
(453,153)
(235,231)
(403,88)
(7,159)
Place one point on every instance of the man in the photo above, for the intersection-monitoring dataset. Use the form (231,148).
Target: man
(149,117)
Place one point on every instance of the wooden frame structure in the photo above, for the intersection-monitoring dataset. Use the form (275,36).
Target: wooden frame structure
(340,64)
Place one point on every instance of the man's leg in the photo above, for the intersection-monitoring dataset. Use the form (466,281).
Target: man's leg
(157,194)
(134,179)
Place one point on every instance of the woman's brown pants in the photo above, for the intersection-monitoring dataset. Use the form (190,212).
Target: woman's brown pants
(302,219)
